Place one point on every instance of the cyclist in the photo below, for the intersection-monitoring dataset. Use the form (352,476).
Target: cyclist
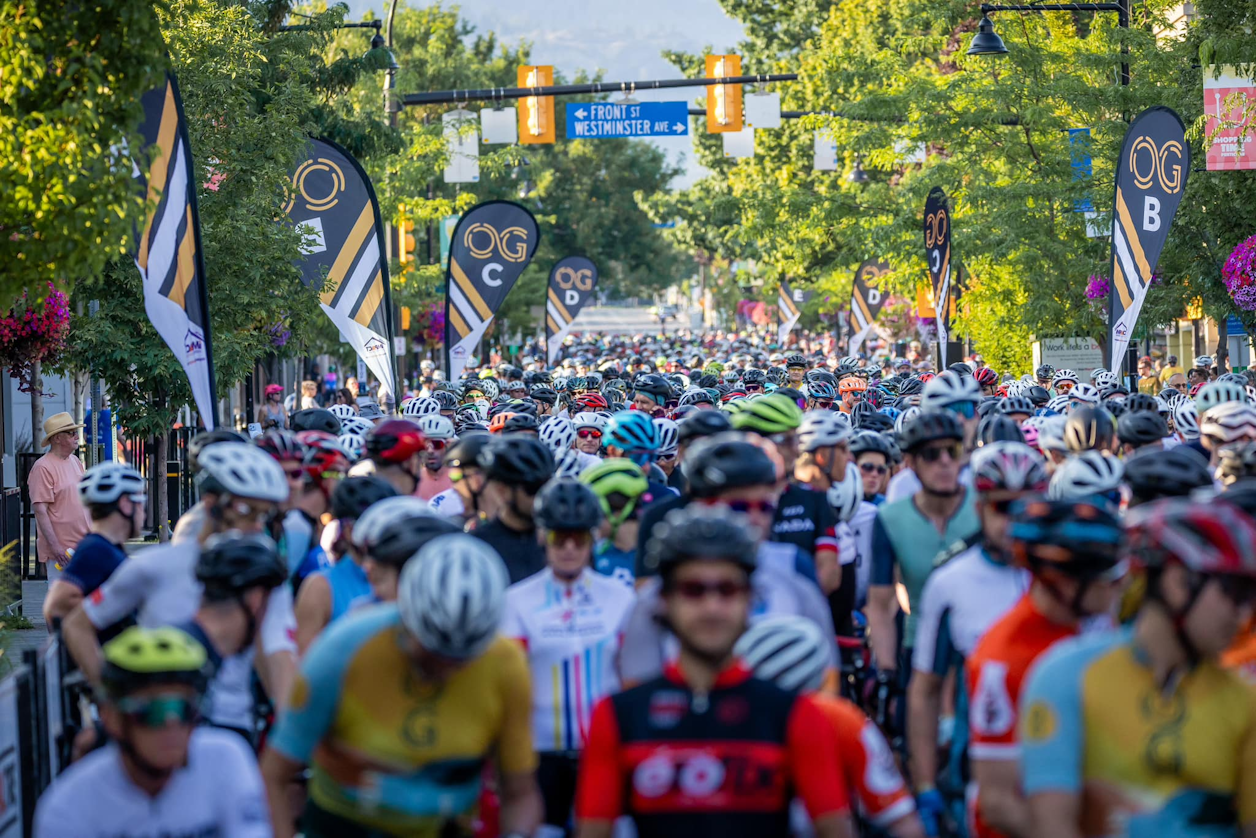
(795,369)
(1090,428)
(1089,474)
(397,448)
(389,534)
(823,462)
(438,435)
(465,502)
(1141,431)
(651,392)
(976,582)
(619,486)
(192,522)
(570,622)
(852,389)
(954,394)
(666,460)
(589,430)
(1046,376)
(1072,549)
(1176,732)
(657,752)
(633,435)
(873,456)
(515,468)
(323,465)
(160,774)
(401,754)
(114,495)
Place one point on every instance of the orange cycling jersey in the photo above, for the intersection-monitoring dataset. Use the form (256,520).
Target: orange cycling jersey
(867,763)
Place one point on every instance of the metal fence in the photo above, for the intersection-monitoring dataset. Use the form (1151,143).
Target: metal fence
(35,739)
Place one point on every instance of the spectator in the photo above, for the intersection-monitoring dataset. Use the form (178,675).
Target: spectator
(309,391)
(60,519)
(343,396)
(1171,368)
(273,415)
(1147,381)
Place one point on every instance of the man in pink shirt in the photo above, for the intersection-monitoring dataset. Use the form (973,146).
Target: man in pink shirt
(60,518)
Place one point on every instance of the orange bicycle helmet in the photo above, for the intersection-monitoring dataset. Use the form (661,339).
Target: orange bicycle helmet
(852,384)
(498,423)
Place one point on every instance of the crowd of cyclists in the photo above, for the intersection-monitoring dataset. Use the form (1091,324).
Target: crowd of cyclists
(679,591)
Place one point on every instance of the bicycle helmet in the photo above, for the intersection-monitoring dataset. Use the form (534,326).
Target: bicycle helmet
(1204,362)
(241,470)
(1046,372)
(451,597)
(202,440)
(356,425)
(104,484)
(1088,427)
(795,360)
(1063,377)
(516,460)
(420,407)
(1072,537)
(592,420)
(515,422)
(655,386)
(1236,463)
(700,533)
(567,464)
(986,377)
(617,483)
(850,384)
(589,403)
(1085,394)
(559,434)
(911,387)
(316,419)
(905,418)
(634,432)
(998,428)
(960,368)
(353,445)
(846,495)
(770,415)
(446,400)
(874,421)
(822,429)
(354,495)
(230,563)
(1016,404)
(146,657)
(930,426)
(949,388)
(724,462)
(1085,475)
(341,412)
(1177,472)
(381,515)
(703,423)
(435,426)
(864,442)
(696,397)
(1058,404)
(1103,378)
(1142,428)
(1219,392)
(1009,467)
(1211,538)
(1228,423)
(789,651)
(394,441)
(668,434)
(1141,402)
(567,505)
(1186,420)
(823,391)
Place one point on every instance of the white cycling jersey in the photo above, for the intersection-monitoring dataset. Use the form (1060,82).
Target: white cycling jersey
(861,532)
(572,633)
(448,504)
(218,792)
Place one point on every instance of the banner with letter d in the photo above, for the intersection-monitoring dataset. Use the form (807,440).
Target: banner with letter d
(866,300)
(571,286)
(1150,181)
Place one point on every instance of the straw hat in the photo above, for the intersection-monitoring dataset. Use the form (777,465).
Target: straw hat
(57,423)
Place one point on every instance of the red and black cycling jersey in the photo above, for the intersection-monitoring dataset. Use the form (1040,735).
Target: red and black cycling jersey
(724,763)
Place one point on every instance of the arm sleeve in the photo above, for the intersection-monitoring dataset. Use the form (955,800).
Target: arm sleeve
(515,753)
(1051,726)
(883,558)
(58,815)
(315,696)
(826,526)
(600,790)
(869,765)
(933,651)
(244,810)
(120,595)
(811,743)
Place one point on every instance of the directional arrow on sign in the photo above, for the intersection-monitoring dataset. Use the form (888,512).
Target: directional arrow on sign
(680,129)
(580,114)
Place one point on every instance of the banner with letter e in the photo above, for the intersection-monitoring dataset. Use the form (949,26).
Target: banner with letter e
(789,303)
(571,286)
(1150,181)
(866,301)
(492,244)
(332,201)
(938,256)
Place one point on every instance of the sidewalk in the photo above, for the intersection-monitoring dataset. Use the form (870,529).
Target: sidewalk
(33,593)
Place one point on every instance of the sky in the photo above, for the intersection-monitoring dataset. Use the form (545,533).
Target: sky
(624,38)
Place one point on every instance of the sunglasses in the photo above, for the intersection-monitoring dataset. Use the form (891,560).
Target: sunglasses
(1003,507)
(754,388)
(589,433)
(436,444)
(580,538)
(665,457)
(823,404)
(159,711)
(695,590)
(1182,386)
(966,409)
(1064,386)
(933,454)
(873,468)
(294,473)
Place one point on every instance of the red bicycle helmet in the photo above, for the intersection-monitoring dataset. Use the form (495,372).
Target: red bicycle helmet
(590,403)
(986,377)
(284,446)
(394,441)
(1215,537)
(324,460)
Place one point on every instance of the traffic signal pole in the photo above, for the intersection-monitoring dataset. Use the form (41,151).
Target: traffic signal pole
(493,94)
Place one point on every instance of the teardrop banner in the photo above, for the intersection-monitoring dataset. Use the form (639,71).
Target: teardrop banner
(1150,182)
(938,256)
(572,283)
(492,244)
(789,302)
(866,300)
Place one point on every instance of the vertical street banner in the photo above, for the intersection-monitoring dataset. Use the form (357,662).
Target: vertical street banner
(789,303)
(938,256)
(1150,181)
(571,286)
(332,201)
(168,246)
(492,244)
(866,300)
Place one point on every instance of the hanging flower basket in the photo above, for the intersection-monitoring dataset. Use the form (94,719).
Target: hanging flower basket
(31,333)
(1239,275)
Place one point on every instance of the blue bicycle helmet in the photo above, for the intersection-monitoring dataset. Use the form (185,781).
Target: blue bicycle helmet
(633,431)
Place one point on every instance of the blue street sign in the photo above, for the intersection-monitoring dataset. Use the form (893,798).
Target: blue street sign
(605,120)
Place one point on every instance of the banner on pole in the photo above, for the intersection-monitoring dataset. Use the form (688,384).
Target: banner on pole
(790,302)
(492,244)
(168,246)
(1150,181)
(938,256)
(866,300)
(571,285)
(331,200)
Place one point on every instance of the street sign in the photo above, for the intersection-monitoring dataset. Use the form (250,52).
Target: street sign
(606,120)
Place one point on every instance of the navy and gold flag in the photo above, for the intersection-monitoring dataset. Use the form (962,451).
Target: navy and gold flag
(789,303)
(491,246)
(866,300)
(1150,181)
(571,285)
(938,256)
(332,201)
(168,246)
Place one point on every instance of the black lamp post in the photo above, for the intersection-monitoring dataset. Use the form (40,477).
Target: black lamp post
(988,42)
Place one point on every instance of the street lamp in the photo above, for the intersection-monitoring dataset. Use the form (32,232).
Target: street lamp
(857,173)
(988,42)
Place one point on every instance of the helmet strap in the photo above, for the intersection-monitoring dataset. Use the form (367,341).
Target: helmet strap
(1178,617)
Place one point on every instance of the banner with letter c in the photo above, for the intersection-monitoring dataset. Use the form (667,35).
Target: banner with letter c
(866,301)
(1150,182)
(788,303)
(492,244)
(571,286)
(938,256)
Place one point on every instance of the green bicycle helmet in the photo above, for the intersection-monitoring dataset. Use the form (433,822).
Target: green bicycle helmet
(144,657)
(619,485)
(768,415)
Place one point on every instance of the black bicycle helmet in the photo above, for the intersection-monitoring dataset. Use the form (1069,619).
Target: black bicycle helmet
(930,426)
(998,427)
(1137,402)
(544,395)
(911,387)
(446,400)
(517,460)
(1038,396)
(860,410)
(520,422)
(399,541)
(987,406)
(1045,372)
(875,421)
(1152,475)
(465,452)
(960,368)
(870,442)
(316,419)
(702,423)
(567,505)
(727,462)
(1088,427)
(231,563)
(653,385)
(353,495)
(700,533)
(754,376)
(795,360)
(1141,428)
(1016,404)
(199,442)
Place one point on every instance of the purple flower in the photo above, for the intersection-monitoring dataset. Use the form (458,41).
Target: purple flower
(1097,288)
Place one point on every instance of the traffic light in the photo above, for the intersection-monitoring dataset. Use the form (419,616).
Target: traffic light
(536,115)
(723,109)
(405,237)
(405,318)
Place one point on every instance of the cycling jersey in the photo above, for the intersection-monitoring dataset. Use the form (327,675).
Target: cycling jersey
(805,520)
(1144,758)
(726,762)
(860,528)
(349,586)
(94,560)
(1241,656)
(519,550)
(217,792)
(609,560)
(572,634)
(389,750)
(449,504)
(871,776)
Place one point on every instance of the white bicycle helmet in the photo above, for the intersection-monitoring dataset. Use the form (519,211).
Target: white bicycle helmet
(383,514)
(791,652)
(420,407)
(948,388)
(353,444)
(1219,392)
(1204,361)
(1084,393)
(668,434)
(822,428)
(590,420)
(1051,434)
(567,463)
(1251,394)
(904,419)
(1225,424)
(356,425)
(489,388)
(435,426)
(342,411)
(1085,474)
(241,470)
(107,482)
(1186,419)
(1063,375)
(1016,388)
(846,495)
(451,595)
(1103,378)
(849,361)
(1008,467)
(559,434)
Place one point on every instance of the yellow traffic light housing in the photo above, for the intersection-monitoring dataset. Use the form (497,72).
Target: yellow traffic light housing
(723,108)
(536,114)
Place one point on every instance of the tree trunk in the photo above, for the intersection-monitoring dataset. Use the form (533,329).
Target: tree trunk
(162,486)
(1223,344)
(37,407)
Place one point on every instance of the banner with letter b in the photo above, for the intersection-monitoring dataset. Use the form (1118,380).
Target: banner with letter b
(571,285)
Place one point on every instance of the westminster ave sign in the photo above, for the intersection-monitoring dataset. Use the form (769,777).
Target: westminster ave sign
(609,120)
